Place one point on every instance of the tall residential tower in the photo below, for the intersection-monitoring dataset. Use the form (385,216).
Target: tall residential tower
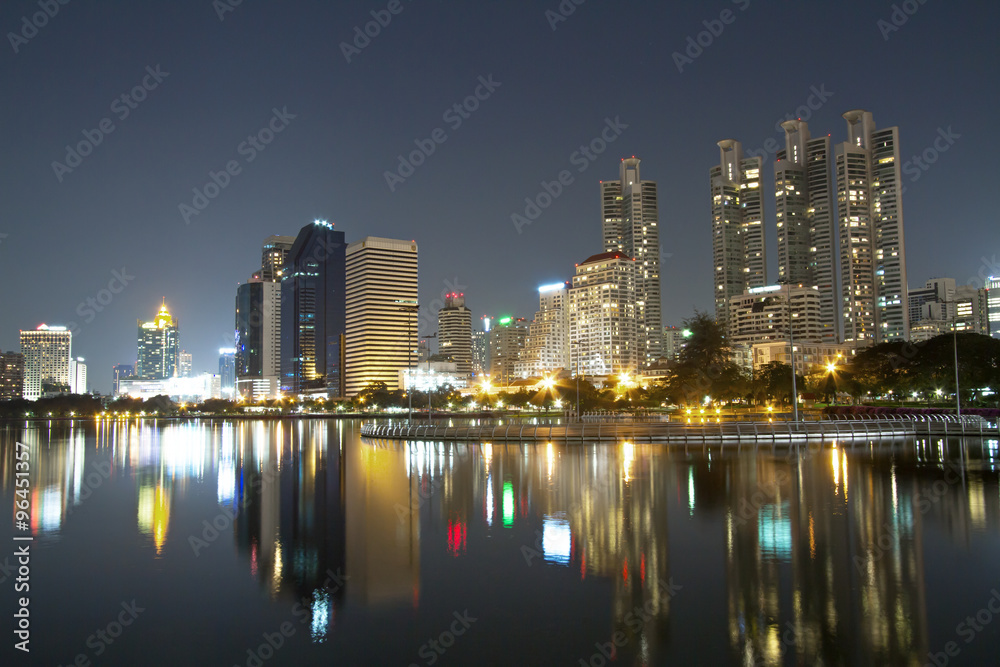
(805,220)
(875,307)
(630,224)
(738,251)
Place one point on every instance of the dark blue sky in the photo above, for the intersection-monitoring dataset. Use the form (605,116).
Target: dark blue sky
(60,241)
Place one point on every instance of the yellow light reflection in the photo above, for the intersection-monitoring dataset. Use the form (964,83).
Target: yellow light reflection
(628,452)
(276,570)
(812,537)
(835,460)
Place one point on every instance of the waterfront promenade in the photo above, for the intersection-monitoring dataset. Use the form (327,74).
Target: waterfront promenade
(830,430)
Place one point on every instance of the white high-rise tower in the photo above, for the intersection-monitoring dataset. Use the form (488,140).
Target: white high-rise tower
(804,211)
(740,259)
(870,219)
(630,224)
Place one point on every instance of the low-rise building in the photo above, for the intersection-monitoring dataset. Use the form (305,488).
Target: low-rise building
(191,389)
(761,315)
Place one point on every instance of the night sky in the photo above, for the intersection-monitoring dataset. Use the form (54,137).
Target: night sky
(343,124)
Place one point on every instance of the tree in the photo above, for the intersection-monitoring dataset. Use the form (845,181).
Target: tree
(706,346)
(704,366)
(928,366)
(775,381)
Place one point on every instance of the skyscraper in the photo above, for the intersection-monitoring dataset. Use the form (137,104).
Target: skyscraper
(805,220)
(603,326)
(630,224)
(47,351)
(870,218)
(738,250)
(312,312)
(158,347)
(381,311)
(455,332)
(258,341)
(11,375)
(227,370)
(481,351)
(274,254)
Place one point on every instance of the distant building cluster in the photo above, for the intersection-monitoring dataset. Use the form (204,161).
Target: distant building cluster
(605,319)
(841,279)
(326,318)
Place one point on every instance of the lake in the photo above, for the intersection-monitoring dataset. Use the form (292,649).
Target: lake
(295,542)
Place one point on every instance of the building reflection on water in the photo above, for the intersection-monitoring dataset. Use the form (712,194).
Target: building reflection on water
(824,551)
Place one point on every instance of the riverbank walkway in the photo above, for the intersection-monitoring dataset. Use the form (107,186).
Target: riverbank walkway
(827,430)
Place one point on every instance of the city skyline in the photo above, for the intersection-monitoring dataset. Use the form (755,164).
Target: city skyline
(121,210)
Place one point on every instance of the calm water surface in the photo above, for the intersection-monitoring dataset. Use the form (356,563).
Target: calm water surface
(298,543)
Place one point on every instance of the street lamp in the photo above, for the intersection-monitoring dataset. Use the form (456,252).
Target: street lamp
(954,339)
(430,410)
(831,369)
(576,344)
(791,354)
(410,308)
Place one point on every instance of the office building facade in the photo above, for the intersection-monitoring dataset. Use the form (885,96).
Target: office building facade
(47,352)
(258,343)
(382,316)
(313,312)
